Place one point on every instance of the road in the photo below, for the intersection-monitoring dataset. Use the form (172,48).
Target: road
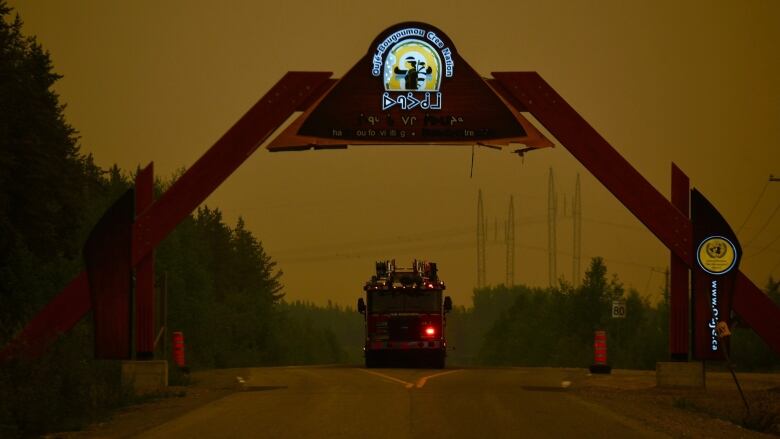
(353,402)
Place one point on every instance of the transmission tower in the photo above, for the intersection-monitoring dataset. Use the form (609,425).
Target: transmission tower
(552,211)
(510,244)
(577,217)
(481,242)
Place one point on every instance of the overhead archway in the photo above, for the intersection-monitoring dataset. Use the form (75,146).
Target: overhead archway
(410,88)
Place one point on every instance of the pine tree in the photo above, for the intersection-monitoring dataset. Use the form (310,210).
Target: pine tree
(44,180)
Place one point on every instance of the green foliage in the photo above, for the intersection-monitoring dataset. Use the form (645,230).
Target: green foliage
(554,327)
(222,290)
(39,158)
(63,390)
(559,324)
(42,179)
(467,327)
(335,333)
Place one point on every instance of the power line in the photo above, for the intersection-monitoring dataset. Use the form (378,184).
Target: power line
(753,209)
(766,223)
(384,241)
(456,245)
(650,277)
(614,224)
(774,268)
(764,248)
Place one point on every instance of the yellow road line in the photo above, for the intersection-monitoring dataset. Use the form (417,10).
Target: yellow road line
(421,382)
(406,384)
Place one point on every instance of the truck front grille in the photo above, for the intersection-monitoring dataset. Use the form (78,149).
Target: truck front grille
(404,328)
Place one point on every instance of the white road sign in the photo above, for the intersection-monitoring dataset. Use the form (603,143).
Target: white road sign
(618,309)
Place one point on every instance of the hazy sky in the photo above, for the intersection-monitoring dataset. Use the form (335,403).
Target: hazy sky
(694,82)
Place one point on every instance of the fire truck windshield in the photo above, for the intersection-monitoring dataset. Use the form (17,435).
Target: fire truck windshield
(427,301)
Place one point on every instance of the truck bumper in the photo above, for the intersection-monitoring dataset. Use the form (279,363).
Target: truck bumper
(405,345)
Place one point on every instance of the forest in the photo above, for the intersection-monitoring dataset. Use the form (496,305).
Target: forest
(225,292)
(531,326)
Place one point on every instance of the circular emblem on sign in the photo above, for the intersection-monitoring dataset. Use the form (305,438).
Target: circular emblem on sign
(716,255)
(412,65)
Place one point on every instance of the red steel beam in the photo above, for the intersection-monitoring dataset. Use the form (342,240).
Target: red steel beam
(230,151)
(601,159)
(57,317)
(679,302)
(144,273)
(758,310)
(294,92)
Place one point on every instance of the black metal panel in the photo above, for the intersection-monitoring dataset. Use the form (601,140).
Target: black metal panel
(404,328)
(107,255)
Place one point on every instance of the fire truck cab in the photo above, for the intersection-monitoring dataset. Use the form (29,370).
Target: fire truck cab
(405,316)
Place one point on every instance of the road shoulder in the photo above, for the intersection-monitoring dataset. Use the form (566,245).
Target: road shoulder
(205,387)
(716,411)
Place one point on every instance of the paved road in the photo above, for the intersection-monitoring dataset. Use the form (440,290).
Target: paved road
(352,402)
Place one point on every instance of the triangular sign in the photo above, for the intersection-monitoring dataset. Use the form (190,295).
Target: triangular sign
(412,87)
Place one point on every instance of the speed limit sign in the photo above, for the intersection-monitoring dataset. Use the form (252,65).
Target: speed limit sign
(618,309)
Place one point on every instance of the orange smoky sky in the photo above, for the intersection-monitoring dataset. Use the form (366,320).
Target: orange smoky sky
(696,83)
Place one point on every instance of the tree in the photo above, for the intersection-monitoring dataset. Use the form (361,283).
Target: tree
(44,180)
(40,166)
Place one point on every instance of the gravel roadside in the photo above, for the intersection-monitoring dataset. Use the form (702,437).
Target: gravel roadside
(204,387)
(714,412)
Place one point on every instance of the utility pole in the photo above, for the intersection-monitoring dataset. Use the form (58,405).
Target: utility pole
(510,244)
(552,211)
(577,220)
(481,242)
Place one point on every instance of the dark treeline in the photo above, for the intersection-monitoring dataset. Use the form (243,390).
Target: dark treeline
(339,329)
(554,326)
(225,295)
(525,326)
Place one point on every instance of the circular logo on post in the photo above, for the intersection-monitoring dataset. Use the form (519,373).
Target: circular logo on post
(716,255)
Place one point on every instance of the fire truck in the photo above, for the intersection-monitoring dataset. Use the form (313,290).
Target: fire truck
(405,316)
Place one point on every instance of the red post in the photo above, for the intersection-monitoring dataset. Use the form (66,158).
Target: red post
(600,353)
(178,349)
(679,303)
